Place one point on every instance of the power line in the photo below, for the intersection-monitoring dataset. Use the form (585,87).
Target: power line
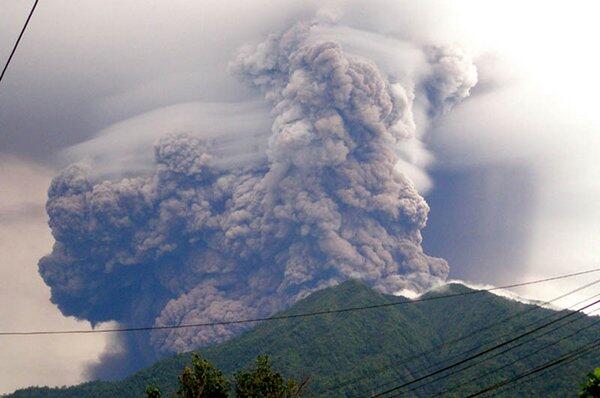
(291,316)
(503,351)
(568,357)
(529,379)
(447,344)
(18,40)
(481,353)
(510,348)
(532,353)
(497,354)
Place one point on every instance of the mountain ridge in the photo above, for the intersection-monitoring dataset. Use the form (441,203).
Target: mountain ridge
(335,349)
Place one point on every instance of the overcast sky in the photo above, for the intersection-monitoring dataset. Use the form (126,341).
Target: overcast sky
(515,180)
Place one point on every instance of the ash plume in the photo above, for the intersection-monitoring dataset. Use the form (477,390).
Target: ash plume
(194,242)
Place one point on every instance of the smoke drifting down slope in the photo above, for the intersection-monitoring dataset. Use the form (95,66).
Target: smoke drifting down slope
(193,242)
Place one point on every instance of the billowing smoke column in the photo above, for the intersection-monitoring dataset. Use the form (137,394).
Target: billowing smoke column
(193,242)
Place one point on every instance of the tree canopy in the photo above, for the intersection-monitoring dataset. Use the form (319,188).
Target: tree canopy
(591,387)
(263,382)
(203,380)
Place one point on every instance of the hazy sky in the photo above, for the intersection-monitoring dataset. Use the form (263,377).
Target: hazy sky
(514,182)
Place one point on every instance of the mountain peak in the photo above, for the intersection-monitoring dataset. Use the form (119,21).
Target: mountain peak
(450,288)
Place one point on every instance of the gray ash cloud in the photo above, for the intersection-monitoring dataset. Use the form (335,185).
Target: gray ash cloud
(192,242)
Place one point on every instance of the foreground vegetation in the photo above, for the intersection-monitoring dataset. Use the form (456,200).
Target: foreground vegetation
(591,387)
(203,380)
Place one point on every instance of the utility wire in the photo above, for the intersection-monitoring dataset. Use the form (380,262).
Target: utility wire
(18,40)
(447,344)
(291,316)
(521,358)
(510,348)
(541,373)
(568,357)
(481,353)
(501,352)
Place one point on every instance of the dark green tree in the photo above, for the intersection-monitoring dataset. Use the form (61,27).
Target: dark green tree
(591,387)
(202,380)
(153,392)
(263,382)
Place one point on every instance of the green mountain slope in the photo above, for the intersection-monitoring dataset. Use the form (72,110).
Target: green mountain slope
(370,347)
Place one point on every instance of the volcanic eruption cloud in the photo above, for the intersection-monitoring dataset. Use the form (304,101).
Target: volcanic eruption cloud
(192,241)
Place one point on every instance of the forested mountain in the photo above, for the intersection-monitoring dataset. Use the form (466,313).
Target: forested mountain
(362,352)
